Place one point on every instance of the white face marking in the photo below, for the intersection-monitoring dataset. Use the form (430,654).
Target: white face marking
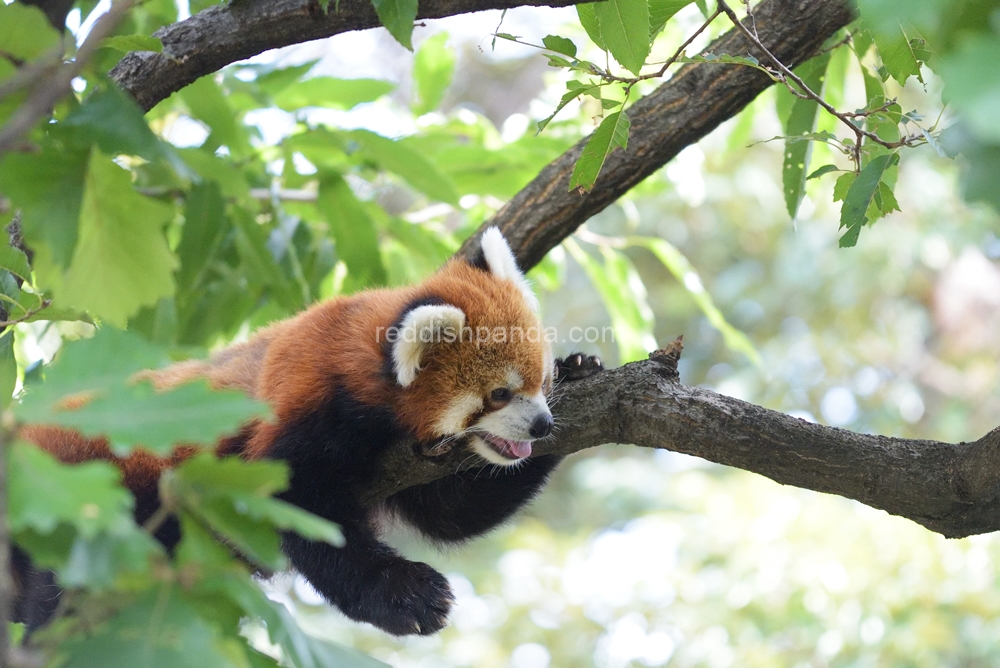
(421,328)
(512,422)
(453,419)
(503,265)
(514,381)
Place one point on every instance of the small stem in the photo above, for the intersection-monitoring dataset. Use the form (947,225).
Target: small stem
(786,74)
(6,584)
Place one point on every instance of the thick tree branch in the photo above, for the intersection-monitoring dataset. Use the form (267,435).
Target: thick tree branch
(231,31)
(951,489)
(695,101)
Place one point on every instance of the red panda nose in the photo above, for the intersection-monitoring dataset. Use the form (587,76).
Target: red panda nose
(541,427)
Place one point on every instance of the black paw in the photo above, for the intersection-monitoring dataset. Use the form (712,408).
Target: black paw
(409,598)
(577,366)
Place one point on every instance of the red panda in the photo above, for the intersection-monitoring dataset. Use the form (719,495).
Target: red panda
(460,357)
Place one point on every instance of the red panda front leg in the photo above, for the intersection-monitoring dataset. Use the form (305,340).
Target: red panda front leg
(369,582)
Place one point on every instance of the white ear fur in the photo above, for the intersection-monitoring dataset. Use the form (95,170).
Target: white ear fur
(502,264)
(422,327)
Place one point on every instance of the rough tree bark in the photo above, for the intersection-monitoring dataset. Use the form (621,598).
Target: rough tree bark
(231,31)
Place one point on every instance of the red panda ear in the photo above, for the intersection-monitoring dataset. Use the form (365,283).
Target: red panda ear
(502,264)
(419,329)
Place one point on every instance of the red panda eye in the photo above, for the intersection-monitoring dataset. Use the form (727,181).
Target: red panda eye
(501,395)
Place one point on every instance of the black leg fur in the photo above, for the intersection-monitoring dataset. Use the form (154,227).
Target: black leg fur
(471,503)
(331,453)
(577,366)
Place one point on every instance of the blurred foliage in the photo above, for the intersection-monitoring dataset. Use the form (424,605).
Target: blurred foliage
(243,198)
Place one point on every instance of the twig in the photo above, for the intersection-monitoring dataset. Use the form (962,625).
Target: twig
(6,583)
(44,97)
(784,74)
(44,304)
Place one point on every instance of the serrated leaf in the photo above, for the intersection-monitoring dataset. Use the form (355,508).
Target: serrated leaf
(398,16)
(588,19)
(433,67)
(45,493)
(560,45)
(89,388)
(122,260)
(825,169)
(162,630)
(576,89)
(15,261)
(331,93)
(612,132)
(625,31)
(204,226)
(128,43)
(111,119)
(353,231)
(842,185)
(897,54)
(859,197)
(661,11)
(48,189)
(801,121)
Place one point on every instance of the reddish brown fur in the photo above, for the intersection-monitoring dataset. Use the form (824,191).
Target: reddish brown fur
(295,364)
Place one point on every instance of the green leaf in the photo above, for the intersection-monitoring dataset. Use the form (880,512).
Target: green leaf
(331,93)
(137,42)
(575,90)
(89,388)
(588,19)
(661,11)
(121,261)
(353,230)
(853,213)
(15,261)
(397,157)
(612,132)
(897,53)
(681,268)
(204,225)
(45,493)
(271,79)
(48,189)
(433,67)
(560,45)
(8,369)
(825,169)
(232,497)
(801,121)
(624,298)
(972,84)
(625,31)
(207,102)
(111,119)
(398,17)
(25,33)
(842,185)
(160,630)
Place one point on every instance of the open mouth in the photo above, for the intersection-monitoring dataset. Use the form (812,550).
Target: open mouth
(508,449)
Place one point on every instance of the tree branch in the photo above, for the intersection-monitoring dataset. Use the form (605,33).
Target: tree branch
(696,100)
(231,31)
(951,489)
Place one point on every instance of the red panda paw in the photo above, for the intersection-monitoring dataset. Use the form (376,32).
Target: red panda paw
(577,366)
(414,599)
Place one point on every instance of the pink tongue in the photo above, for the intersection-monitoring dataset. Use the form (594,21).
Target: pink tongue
(520,449)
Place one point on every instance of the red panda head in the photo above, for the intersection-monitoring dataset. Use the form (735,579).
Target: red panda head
(470,357)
